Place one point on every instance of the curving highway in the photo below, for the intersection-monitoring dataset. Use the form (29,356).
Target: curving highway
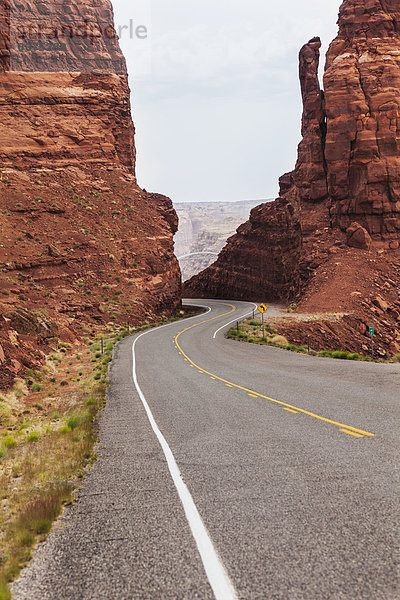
(232,471)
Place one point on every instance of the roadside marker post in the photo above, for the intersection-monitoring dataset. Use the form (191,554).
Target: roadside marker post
(102,345)
(372,333)
(262,308)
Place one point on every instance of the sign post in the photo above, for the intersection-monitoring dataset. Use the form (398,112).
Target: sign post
(262,308)
(371,333)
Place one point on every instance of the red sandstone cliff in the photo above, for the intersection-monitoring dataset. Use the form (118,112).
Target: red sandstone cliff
(80,242)
(345,188)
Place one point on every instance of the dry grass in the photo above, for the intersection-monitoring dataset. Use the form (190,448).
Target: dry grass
(279,340)
(251,331)
(44,452)
(47,438)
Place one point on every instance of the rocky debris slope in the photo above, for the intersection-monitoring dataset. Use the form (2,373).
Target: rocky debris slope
(205,227)
(81,245)
(344,191)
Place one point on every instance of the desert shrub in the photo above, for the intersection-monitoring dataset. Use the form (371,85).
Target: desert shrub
(39,514)
(5,413)
(280,340)
(339,354)
(65,429)
(5,593)
(33,436)
(345,355)
(325,353)
(9,442)
(74,421)
(291,347)
(354,356)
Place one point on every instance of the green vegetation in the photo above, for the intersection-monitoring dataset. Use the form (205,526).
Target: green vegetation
(74,421)
(36,387)
(41,468)
(251,331)
(9,442)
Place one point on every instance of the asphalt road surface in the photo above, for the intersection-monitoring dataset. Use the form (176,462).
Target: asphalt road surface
(232,471)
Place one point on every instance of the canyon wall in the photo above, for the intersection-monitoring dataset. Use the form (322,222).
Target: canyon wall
(344,190)
(82,246)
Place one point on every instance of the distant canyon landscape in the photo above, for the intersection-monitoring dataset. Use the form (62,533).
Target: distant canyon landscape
(204,227)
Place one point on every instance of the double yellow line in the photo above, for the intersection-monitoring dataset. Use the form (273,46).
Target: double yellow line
(344,428)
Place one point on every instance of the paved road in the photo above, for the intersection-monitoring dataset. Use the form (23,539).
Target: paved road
(289,483)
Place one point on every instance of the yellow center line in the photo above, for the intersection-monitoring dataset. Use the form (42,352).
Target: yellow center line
(239,387)
(351,433)
(290,410)
(253,395)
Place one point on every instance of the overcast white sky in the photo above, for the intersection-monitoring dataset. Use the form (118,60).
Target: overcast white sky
(217,112)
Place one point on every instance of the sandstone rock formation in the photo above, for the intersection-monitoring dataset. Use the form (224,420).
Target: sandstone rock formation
(81,243)
(358,237)
(347,175)
(362,104)
(251,262)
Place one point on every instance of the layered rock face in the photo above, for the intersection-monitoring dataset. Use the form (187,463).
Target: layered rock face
(64,91)
(81,243)
(362,90)
(347,174)
(250,262)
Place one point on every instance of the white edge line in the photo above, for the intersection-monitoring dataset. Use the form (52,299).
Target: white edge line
(217,576)
(230,322)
